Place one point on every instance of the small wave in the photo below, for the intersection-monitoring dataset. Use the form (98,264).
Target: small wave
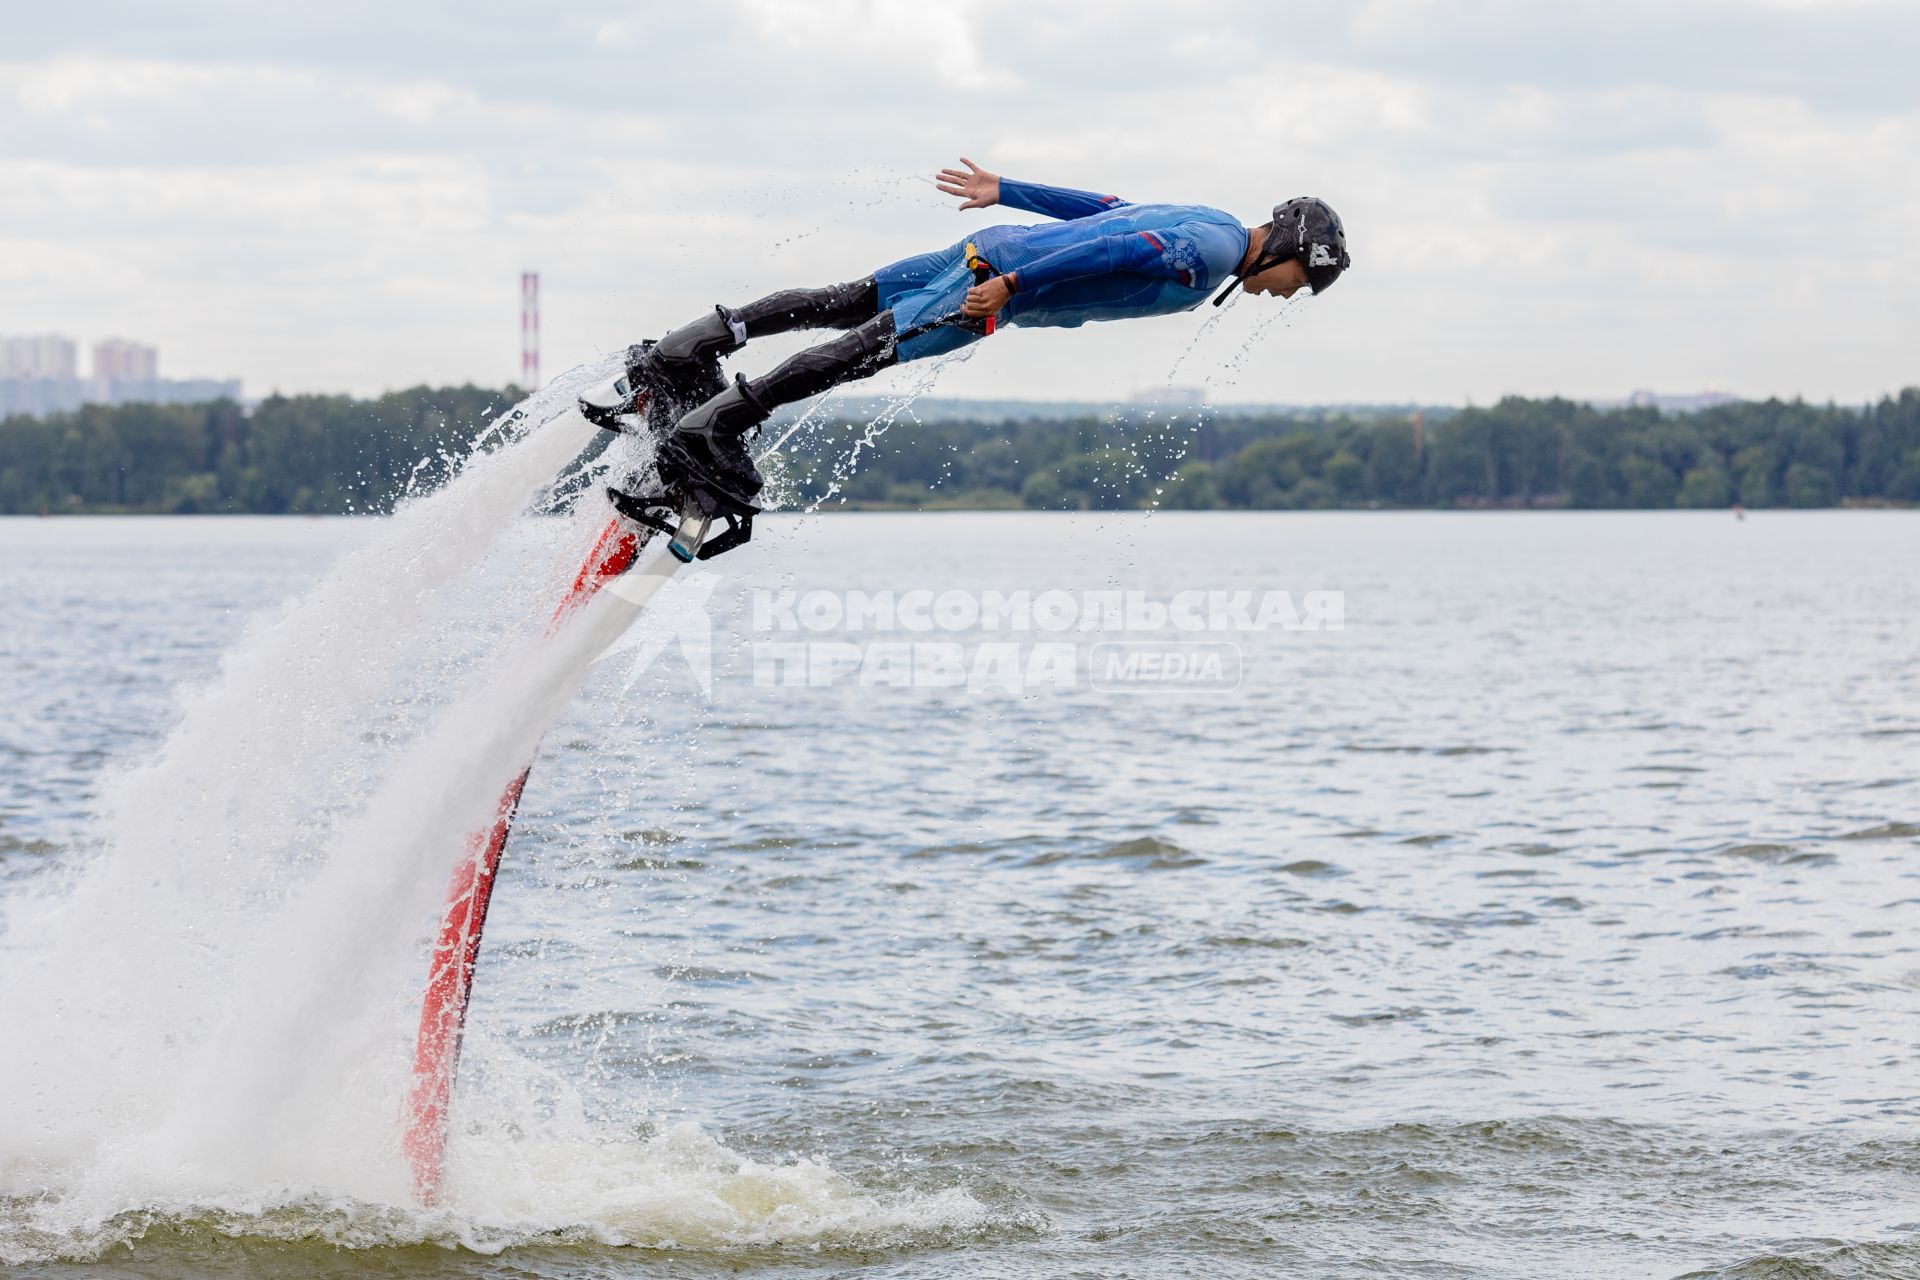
(961,847)
(36,848)
(1270,944)
(1151,852)
(1831,1262)
(1886,831)
(572,1024)
(1314,869)
(1781,855)
(1761,852)
(1375,1017)
(704,975)
(769,843)
(1468,749)
(647,863)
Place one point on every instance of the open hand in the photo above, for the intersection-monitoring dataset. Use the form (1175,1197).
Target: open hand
(978,186)
(985,299)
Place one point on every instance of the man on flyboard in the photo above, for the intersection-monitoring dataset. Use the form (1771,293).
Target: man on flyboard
(1105,259)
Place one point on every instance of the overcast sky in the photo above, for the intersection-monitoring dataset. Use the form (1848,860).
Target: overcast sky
(1576,198)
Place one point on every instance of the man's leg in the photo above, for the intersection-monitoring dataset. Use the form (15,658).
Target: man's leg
(914,289)
(682,369)
(838,306)
(708,446)
(671,375)
(690,354)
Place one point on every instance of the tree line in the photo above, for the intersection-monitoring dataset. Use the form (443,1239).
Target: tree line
(320,455)
(336,454)
(1517,453)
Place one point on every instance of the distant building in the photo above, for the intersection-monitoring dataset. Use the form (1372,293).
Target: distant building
(1171,397)
(1711,398)
(38,375)
(118,360)
(40,395)
(43,355)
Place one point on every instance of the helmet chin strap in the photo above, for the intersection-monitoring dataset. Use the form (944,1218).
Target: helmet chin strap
(1266,258)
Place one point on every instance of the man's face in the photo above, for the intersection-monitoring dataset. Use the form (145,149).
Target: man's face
(1283,280)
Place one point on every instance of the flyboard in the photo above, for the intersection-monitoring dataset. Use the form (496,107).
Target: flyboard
(695,528)
(621,545)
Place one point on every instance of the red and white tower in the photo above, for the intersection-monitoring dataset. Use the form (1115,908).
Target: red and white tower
(530,330)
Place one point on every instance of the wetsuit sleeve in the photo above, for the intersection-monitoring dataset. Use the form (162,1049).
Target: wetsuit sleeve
(1054,202)
(1169,253)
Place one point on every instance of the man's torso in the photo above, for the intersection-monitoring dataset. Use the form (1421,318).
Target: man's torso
(1210,244)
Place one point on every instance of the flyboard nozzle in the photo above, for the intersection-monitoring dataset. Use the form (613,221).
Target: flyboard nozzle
(606,404)
(686,542)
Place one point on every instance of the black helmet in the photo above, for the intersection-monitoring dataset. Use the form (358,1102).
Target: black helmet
(1306,230)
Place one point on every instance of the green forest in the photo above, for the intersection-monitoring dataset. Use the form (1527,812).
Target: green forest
(336,454)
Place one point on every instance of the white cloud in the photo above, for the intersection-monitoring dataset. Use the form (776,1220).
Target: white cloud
(939,38)
(1579,198)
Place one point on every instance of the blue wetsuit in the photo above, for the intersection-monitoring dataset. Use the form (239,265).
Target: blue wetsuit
(1105,260)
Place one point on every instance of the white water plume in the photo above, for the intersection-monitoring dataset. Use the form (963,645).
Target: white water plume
(229,867)
(211,1013)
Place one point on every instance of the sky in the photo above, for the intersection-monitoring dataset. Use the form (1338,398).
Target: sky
(1569,198)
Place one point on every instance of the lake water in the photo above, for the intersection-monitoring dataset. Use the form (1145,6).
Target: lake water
(1555,913)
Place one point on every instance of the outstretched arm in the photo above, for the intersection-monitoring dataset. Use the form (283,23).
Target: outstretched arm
(980,189)
(1055,202)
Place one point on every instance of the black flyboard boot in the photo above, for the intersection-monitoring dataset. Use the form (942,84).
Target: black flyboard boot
(708,449)
(706,475)
(705,469)
(685,364)
(671,375)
